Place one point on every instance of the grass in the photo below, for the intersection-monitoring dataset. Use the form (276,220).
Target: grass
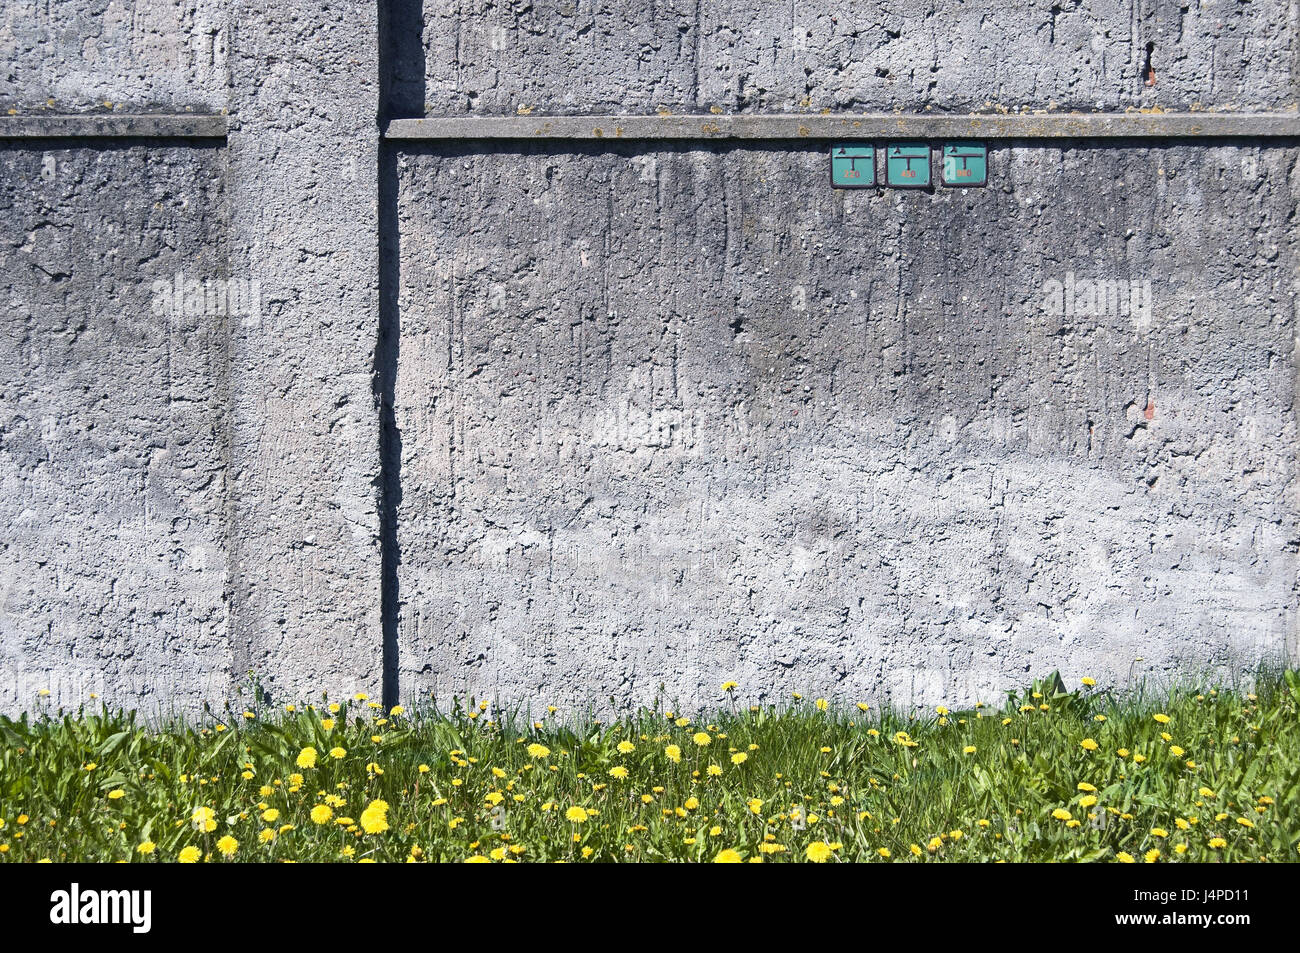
(1179,776)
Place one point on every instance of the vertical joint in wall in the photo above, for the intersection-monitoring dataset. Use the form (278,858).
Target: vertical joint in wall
(401,95)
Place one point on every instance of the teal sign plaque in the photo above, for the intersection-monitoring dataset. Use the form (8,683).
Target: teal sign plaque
(907,165)
(965,164)
(853,165)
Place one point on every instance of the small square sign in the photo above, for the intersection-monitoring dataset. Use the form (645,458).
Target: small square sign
(965,164)
(907,165)
(853,165)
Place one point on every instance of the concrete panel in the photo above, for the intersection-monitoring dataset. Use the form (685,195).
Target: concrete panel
(668,417)
(113,557)
(76,55)
(582,56)
(303,151)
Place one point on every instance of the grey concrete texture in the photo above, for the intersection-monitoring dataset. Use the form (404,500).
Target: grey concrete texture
(113,558)
(561,421)
(304,460)
(95,126)
(822,127)
(677,416)
(636,56)
(110,583)
(83,55)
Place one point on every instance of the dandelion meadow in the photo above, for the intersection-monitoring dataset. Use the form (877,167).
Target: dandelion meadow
(1051,773)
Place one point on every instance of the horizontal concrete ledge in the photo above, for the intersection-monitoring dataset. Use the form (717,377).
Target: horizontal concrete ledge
(108,126)
(867,125)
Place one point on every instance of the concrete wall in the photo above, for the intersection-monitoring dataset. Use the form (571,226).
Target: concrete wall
(112,426)
(101,55)
(570,421)
(577,56)
(304,457)
(674,416)
(190,500)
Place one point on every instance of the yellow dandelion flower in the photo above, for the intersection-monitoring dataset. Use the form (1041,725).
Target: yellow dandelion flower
(818,852)
(321,814)
(374,819)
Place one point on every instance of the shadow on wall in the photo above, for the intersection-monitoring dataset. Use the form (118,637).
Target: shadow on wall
(402,90)
(401,59)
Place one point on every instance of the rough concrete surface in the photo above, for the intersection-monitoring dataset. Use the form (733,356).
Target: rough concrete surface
(80,55)
(677,416)
(303,154)
(113,558)
(559,420)
(587,56)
